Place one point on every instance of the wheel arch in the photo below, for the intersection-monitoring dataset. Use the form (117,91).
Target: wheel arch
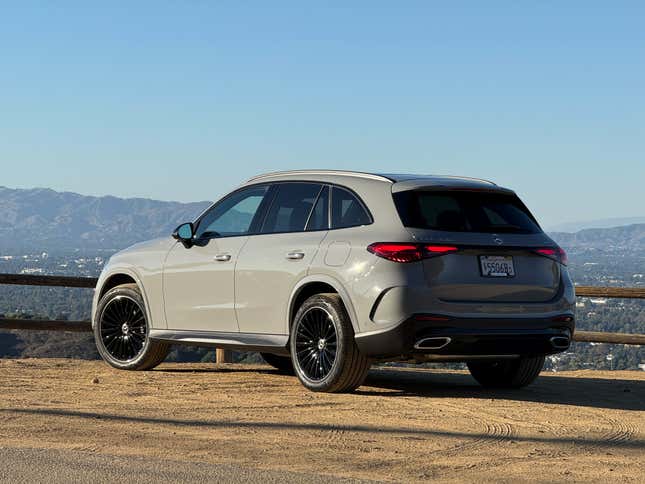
(117,277)
(316,284)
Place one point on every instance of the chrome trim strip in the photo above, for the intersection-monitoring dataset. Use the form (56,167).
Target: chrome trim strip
(444,339)
(559,346)
(220,339)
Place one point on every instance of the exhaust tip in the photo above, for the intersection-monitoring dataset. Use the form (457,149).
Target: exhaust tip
(434,343)
(560,342)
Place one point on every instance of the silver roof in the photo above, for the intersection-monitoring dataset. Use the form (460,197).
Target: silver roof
(391,177)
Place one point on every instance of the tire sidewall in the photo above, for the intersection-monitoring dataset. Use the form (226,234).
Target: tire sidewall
(343,338)
(132,293)
(507,374)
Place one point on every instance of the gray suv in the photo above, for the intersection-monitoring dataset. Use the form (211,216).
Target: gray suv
(326,272)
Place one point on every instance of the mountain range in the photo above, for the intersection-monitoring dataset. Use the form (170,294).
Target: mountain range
(631,237)
(604,223)
(44,219)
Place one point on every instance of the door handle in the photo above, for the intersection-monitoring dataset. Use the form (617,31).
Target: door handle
(222,257)
(295,255)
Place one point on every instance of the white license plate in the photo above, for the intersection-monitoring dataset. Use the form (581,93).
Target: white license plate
(497,265)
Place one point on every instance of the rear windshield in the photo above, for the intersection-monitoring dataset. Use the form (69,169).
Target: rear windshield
(465,211)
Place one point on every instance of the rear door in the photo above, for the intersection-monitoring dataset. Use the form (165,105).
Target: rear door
(496,236)
(272,262)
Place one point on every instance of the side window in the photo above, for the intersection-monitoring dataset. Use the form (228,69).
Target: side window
(291,207)
(346,210)
(319,218)
(234,215)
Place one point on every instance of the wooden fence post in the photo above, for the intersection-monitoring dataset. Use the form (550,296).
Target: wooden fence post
(223,356)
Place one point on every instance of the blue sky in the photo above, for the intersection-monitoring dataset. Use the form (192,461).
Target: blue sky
(184,100)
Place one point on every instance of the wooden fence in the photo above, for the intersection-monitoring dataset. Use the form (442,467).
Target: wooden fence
(223,356)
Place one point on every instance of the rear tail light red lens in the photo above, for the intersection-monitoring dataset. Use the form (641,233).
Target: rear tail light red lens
(409,252)
(555,253)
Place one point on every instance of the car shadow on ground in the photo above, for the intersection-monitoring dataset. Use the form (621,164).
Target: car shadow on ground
(218,369)
(587,391)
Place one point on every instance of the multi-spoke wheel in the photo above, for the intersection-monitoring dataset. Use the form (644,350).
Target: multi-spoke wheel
(121,331)
(316,343)
(123,328)
(323,351)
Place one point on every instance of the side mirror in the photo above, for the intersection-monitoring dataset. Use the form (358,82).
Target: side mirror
(185,233)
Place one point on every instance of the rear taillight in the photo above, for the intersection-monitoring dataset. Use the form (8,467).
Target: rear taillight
(555,253)
(409,252)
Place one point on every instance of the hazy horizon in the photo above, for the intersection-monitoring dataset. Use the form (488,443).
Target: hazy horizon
(570,226)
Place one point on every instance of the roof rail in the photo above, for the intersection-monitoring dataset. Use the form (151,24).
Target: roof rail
(468,178)
(357,174)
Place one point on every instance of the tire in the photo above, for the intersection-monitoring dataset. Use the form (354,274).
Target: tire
(323,351)
(507,373)
(122,328)
(281,363)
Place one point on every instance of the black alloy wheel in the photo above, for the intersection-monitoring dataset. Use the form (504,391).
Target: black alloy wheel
(123,328)
(316,343)
(121,331)
(323,350)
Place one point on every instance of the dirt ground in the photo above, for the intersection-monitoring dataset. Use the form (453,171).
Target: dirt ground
(402,425)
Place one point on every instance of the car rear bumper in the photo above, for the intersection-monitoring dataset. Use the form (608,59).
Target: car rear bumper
(462,338)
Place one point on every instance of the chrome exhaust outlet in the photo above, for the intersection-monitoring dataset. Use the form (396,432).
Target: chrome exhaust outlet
(560,342)
(434,343)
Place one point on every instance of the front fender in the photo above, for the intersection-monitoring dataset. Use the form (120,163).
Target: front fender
(115,270)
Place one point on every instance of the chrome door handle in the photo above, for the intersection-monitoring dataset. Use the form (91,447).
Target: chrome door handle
(222,257)
(295,255)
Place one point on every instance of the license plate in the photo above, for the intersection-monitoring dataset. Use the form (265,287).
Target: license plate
(496,266)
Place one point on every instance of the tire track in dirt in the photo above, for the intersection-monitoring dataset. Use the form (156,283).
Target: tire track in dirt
(487,431)
(620,432)
(493,433)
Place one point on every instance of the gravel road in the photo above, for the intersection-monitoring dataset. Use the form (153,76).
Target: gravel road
(30,466)
(66,418)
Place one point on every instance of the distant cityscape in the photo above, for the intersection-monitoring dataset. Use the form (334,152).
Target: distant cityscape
(589,266)
(48,232)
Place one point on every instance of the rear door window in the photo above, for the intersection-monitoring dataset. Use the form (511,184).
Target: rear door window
(291,207)
(465,211)
(347,210)
(319,218)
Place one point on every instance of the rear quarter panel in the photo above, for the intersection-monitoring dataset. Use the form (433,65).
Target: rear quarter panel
(361,276)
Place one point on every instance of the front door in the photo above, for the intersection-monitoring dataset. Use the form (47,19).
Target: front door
(198,281)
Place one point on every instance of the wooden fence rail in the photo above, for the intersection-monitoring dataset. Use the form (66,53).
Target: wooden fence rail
(46,325)
(35,280)
(616,292)
(222,355)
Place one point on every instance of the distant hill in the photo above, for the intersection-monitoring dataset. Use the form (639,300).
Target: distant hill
(49,221)
(631,237)
(595,224)
(45,219)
